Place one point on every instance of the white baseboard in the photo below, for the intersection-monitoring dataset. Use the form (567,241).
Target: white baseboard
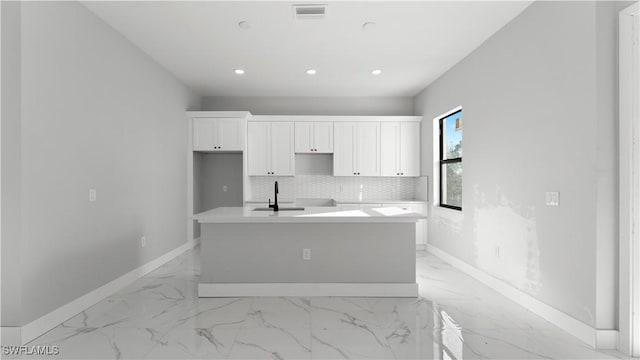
(298,289)
(594,338)
(607,339)
(47,322)
(421,247)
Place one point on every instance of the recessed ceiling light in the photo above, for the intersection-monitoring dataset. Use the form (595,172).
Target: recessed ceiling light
(376,72)
(244,25)
(238,71)
(369,25)
(311,71)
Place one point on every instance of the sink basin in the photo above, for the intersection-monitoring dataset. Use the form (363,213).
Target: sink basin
(315,202)
(280,209)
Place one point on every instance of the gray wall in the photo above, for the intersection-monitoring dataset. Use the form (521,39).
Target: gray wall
(96,113)
(272,105)
(215,170)
(539,104)
(11,184)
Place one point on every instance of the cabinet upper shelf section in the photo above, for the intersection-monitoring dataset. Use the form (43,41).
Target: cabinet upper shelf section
(218,131)
(360,145)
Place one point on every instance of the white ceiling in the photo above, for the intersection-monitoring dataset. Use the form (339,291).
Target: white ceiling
(413,43)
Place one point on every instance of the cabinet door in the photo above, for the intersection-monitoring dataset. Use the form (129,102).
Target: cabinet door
(343,150)
(323,137)
(230,134)
(258,149)
(204,134)
(368,149)
(282,148)
(304,137)
(390,149)
(410,149)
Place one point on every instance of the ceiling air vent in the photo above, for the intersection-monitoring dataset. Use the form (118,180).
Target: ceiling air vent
(309,12)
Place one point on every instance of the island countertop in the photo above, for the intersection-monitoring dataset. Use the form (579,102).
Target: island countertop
(247,214)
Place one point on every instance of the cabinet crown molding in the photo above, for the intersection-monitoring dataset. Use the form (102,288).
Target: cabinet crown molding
(333,118)
(219,114)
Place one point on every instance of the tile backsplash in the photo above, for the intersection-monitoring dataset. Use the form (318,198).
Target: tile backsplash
(339,188)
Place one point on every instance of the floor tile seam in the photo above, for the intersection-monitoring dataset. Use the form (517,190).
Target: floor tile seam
(233,342)
(240,328)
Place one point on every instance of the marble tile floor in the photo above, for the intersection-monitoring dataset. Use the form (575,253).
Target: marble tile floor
(455,317)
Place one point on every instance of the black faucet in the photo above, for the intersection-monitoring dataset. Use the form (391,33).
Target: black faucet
(275,204)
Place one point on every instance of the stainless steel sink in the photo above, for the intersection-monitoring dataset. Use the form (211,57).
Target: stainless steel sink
(280,209)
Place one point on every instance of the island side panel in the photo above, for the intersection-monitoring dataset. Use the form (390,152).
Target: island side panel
(340,253)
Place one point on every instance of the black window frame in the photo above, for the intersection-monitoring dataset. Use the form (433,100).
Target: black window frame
(444,161)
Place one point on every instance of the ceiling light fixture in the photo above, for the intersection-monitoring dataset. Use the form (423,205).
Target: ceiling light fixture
(376,72)
(369,25)
(244,25)
(311,71)
(238,71)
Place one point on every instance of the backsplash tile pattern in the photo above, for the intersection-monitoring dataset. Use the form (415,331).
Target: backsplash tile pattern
(339,188)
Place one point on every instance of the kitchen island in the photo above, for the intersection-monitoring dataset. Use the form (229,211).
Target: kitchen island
(318,251)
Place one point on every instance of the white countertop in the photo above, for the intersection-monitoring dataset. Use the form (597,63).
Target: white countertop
(380,202)
(338,202)
(246,214)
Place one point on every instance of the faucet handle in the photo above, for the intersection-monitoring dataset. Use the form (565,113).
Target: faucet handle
(270,203)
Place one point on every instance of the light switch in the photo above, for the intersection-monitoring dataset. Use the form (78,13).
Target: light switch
(553,198)
(92,194)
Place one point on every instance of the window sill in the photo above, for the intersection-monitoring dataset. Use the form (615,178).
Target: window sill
(451,214)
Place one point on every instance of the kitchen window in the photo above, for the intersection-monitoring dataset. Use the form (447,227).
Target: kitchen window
(451,160)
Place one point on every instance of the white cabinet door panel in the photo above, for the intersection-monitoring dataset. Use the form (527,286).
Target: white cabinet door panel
(258,149)
(230,134)
(368,149)
(343,150)
(204,135)
(323,137)
(304,137)
(389,149)
(282,151)
(410,149)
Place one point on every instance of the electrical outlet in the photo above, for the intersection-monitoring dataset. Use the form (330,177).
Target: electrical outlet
(553,198)
(143,241)
(306,254)
(225,188)
(92,194)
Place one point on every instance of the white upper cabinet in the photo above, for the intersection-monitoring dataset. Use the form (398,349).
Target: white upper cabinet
(390,149)
(204,136)
(356,149)
(323,137)
(343,151)
(258,148)
(270,148)
(282,152)
(230,134)
(218,134)
(400,149)
(314,137)
(368,149)
(410,149)
(304,137)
